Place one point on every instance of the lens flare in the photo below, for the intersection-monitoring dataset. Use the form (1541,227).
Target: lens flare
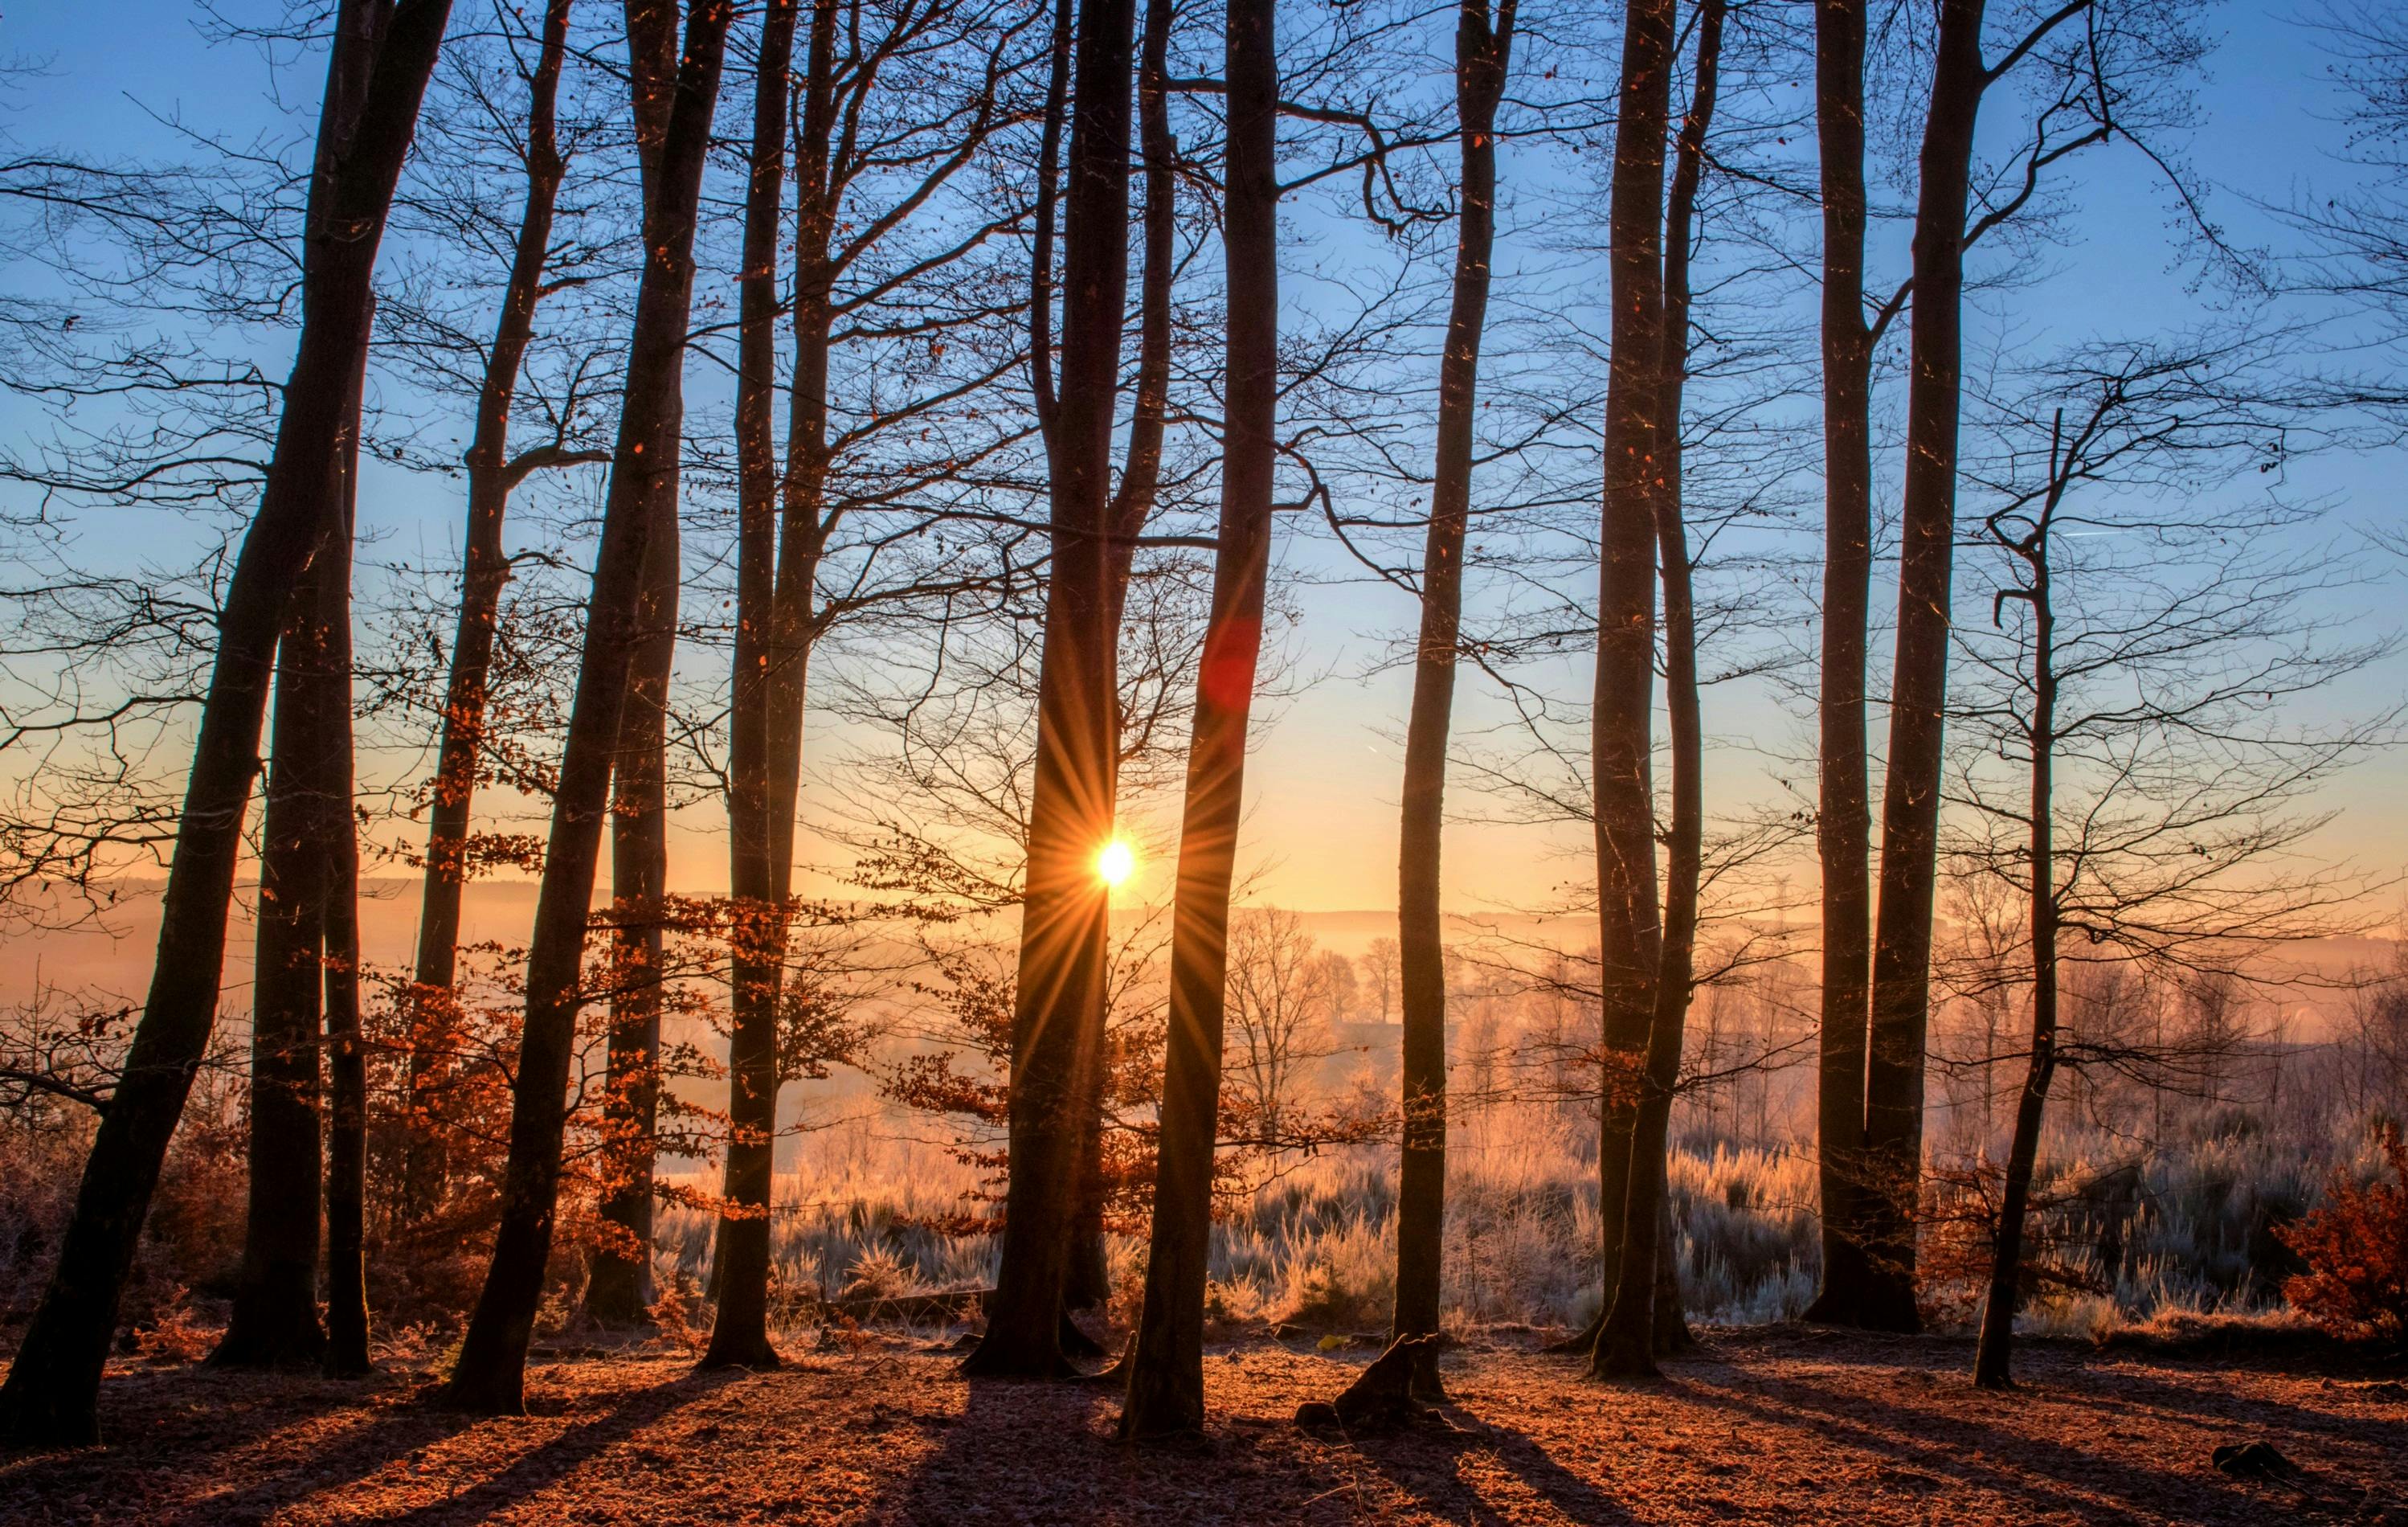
(1116,862)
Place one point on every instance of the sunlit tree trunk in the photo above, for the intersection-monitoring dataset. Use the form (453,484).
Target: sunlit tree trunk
(491,1371)
(1620,750)
(1640,1320)
(619,1289)
(1844,820)
(1057,1017)
(1132,504)
(53,1386)
(1166,1391)
(1899,1019)
(1483,48)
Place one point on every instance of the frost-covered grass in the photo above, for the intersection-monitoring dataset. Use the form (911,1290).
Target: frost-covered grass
(2188,1232)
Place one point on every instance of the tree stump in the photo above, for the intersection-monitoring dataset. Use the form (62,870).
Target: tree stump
(1382,1400)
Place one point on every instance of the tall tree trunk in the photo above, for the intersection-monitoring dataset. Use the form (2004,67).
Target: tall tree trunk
(1637,1324)
(1166,1393)
(1900,1003)
(1132,506)
(1621,751)
(619,1288)
(620,1291)
(493,1356)
(739,1335)
(1483,50)
(1993,1358)
(434,1001)
(347,1115)
(53,1386)
(274,1322)
(1844,817)
(1057,1008)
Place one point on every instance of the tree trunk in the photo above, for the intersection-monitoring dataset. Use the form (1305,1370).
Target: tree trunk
(1900,1004)
(1090,1282)
(739,1334)
(347,1121)
(493,1356)
(1483,50)
(1993,1358)
(1057,1017)
(434,1001)
(1166,1393)
(54,1386)
(619,1291)
(1629,1341)
(1629,937)
(1844,819)
(274,1323)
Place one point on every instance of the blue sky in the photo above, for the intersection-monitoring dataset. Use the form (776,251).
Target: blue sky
(1324,778)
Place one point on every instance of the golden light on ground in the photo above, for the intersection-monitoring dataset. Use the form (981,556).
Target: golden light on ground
(1115,862)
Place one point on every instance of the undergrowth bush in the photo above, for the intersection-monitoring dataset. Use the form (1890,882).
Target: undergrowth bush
(2356,1251)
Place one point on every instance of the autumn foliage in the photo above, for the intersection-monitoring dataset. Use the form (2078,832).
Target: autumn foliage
(2357,1250)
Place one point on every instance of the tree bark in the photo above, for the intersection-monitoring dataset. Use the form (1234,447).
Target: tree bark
(274,1323)
(347,1119)
(434,1001)
(53,1386)
(1620,750)
(1993,1358)
(493,1357)
(619,1291)
(1166,1393)
(1634,1317)
(739,1334)
(1483,50)
(1843,819)
(1899,1013)
(1057,1017)
(1090,1282)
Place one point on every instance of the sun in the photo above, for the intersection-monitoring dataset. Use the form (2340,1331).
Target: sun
(1116,862)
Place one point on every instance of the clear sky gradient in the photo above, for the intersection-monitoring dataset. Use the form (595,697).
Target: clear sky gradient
(1325,780)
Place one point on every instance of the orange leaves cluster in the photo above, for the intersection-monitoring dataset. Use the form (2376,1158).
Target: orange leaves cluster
(2357,1250)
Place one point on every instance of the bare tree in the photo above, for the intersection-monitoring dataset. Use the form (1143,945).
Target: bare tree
(1621,751)
(53,1383)
(490,1373)
(739,1331)
(1059,994)
(2088,71)
(493,470)
(1484,47)
(2145,637)
(1166,1390)
(1281,1003)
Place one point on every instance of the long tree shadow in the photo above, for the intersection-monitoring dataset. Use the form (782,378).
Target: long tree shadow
(153,1424)
(547,1463)
(2207,1404)
(2044,1475)
(1406,1460)
(1005,1430)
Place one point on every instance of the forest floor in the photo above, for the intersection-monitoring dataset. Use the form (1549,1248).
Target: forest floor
(1774,1425)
